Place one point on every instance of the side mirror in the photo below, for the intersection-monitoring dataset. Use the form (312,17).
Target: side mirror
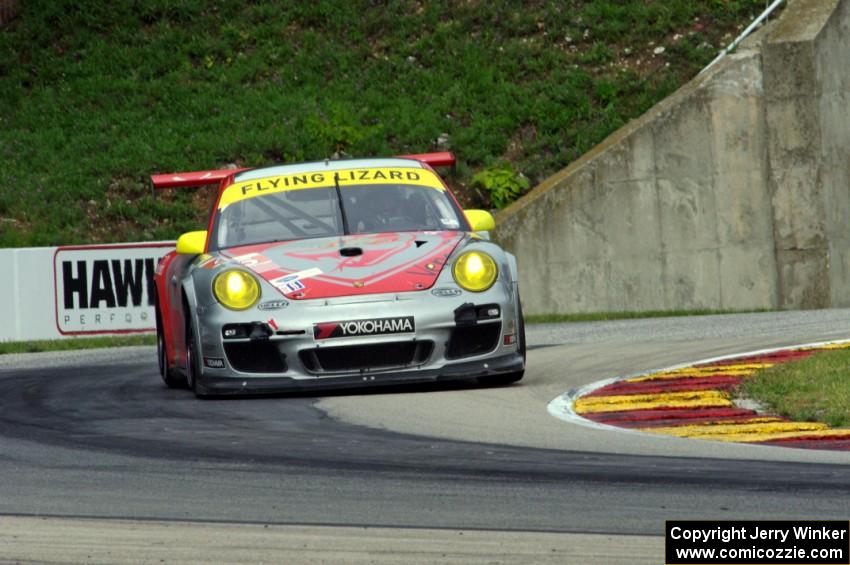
(192,243)
(480,220)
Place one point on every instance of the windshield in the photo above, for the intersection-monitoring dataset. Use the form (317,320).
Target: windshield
(316,212)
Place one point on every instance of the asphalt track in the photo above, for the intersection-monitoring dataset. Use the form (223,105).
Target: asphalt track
(456,473)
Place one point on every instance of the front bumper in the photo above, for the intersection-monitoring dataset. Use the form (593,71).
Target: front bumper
(298,361)
(213,385)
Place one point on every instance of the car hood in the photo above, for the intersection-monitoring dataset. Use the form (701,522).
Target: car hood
(350,265)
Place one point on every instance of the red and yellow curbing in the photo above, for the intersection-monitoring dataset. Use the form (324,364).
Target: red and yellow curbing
(695,402)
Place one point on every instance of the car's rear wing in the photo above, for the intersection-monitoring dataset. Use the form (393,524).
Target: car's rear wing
(439,159)
(214,177)
(195,178)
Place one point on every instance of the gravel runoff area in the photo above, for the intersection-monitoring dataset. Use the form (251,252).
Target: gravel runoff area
(682,328)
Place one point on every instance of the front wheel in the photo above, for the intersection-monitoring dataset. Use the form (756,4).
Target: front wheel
(192,358)
(169,376)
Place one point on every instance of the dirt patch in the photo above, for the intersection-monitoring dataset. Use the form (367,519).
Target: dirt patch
(8,10)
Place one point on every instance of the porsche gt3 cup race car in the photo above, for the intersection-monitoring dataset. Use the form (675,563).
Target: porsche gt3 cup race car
(336,274)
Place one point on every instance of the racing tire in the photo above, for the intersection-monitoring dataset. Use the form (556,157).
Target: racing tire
(193,369)
(509,378)
(169,376)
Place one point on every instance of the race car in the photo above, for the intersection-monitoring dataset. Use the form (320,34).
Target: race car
(336,274)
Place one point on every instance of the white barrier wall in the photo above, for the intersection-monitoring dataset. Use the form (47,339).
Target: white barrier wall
(56,292)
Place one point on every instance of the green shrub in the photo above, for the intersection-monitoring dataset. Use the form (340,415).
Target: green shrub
(502,183)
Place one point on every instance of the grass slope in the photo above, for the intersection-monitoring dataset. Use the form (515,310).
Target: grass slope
(95,96)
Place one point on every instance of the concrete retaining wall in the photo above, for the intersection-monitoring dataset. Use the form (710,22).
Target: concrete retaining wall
(730,194)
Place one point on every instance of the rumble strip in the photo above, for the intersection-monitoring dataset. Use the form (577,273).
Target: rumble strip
(694,401)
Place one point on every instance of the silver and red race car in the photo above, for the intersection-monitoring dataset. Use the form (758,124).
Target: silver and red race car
(336,274)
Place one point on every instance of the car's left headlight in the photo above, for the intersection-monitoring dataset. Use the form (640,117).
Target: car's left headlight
(475,271)
(236,289)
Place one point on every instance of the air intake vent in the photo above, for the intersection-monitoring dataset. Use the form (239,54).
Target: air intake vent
(379,356)
(467,341)
(255,357)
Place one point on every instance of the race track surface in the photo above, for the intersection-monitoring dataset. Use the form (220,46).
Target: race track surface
(96,435)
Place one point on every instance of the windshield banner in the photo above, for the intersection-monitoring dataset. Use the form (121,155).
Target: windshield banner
(324,179)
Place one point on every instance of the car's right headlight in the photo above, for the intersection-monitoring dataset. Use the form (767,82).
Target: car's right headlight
(236,289)
(475,271)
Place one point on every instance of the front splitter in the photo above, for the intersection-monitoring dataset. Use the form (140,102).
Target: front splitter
(257,385)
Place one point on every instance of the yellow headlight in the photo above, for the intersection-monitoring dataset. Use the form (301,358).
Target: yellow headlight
(475,271)
(235,289)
